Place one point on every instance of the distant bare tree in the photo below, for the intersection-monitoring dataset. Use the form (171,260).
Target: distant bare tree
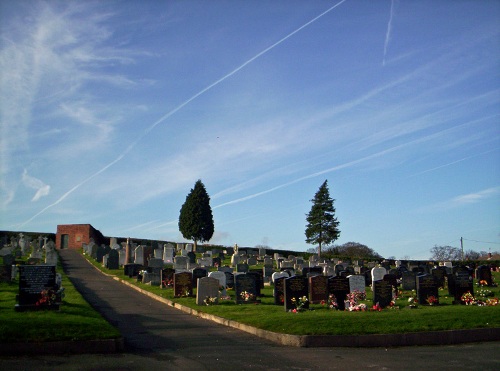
(442,253)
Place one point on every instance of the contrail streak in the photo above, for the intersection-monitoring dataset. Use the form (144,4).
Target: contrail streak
(388,33)
(179,107)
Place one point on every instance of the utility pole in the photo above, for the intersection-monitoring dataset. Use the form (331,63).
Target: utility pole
(462,245)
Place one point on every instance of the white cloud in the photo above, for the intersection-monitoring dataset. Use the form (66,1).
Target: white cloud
(42,189)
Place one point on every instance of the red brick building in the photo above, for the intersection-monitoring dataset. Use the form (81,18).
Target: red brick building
(73,236)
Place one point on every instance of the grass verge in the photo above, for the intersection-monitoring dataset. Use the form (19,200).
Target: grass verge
(323,321)
(75,320)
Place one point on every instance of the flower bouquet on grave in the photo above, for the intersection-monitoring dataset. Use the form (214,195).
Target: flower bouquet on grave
(482,283)
(209,300)
(168,282)
(47,297)
(492,302)
(468,299)
(355,297)
(357,308)
(332,302)
(412,302)
(299,304)
(247,296)
(432,300)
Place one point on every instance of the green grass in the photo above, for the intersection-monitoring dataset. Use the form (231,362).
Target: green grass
(75,320)
(323,321)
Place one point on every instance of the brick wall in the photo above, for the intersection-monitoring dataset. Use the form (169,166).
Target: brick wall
(78,234)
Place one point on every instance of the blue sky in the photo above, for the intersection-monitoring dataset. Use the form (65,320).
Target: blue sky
(111,110)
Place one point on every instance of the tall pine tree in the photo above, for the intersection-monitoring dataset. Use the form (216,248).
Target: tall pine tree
(322,226)
(195,220)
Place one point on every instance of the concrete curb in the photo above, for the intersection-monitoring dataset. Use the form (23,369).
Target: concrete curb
(379,340)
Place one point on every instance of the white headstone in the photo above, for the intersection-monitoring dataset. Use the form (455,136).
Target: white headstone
(139,255)
(378,274)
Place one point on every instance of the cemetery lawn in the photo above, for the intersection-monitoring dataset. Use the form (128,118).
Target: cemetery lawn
(75,320)
(320,320)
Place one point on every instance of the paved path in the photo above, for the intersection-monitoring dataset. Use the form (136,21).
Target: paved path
(158,337)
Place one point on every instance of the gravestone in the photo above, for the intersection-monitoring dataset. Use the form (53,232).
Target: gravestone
(191,257)
(339,287)
(483,273)
(277,275)
(259,281)
(242,267)
(167,277)
(132,269)
(216,261)
(427,286)
(459,283)
(278,291)
(183,284)
(113,260)
(318,289)
(377,274)
(168,253)
(37,285)
(295,287)
(440,274)
(155,263)
(180,263)
(221,277)
(198,273)
(314,270)
(382,293)
(139,255)
(357,283)
(100,252)
(409,280)
(208,287)
(229,280)
(5,273)
(245,283)
(393,279)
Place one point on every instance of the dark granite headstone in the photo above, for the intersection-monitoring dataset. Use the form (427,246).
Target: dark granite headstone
(382,293)
(198,273)
(459,283)
(278,291)
(295,287)
(427,286)
(167,277)
(307,270)
(318,289)
(113,260)
(440,274)
(191,257)
(132,270)
(245,283)
(339,287)
(393,279)
(229,280)
(409,280)
(259,281)
(483,273)
(37,287)
(183,284)
(242,267)
(100,252)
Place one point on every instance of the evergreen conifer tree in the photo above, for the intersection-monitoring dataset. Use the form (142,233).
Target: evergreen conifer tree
(195,220)
(322,226)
